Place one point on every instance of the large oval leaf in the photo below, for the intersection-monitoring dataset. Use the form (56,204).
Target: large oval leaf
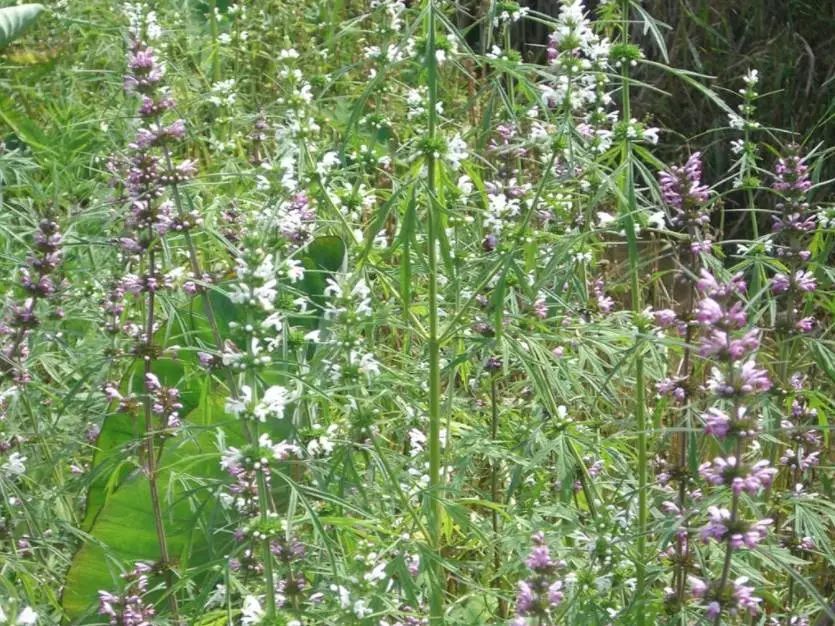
(119,516)
(322,257)
(124,530)
(189,327)
(14,20)
(111,461)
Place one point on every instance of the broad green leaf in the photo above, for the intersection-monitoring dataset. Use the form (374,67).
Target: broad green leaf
(14,20)
(120,429)
(326,253)
(119,515)
(124,530)
(322,256)
(26,130)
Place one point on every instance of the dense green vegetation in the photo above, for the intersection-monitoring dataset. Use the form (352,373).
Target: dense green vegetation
(394,313)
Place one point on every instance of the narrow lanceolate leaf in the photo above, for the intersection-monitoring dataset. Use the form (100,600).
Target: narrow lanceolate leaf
(14,20)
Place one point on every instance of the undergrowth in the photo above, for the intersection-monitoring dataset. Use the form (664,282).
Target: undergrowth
(342,312)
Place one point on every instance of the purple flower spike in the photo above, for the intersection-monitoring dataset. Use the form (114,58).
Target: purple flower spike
(683,191)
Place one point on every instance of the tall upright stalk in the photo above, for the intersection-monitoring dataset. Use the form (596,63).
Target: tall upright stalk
(629,211)
(267,555)
(214,29)
(436,597)
(682,547)
(150,447)
(251,434)
(494,491)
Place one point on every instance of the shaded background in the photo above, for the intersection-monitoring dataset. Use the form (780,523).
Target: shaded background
(790,42)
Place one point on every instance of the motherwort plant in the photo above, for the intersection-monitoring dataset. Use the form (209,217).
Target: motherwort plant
(388,361)
(24,314)
(688,216)
(738,473)
(148,173)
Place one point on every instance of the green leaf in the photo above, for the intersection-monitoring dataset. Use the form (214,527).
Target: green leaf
(328,253)
(119,517)
(651,25)
(824,357)
(124,530)
(322,256)
(118,430)
(14,20)
(108,467)
(691,79)
(26,130)
(214,618)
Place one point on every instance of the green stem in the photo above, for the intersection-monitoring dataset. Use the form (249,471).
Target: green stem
(494,493)
(738,450)
(150,451)
(214,30)
(263,499)
(436,597)
(194,262)
(726,565)
(680,574)
(752,209)
(252,437)
(634,273)
(269,577)
(494,475)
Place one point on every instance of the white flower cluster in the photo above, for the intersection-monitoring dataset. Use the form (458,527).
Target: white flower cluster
(321,445)
(142,22)
(14,465)
(501,208)
(416,101)
(256,287)
(744,119)
(394,10)
(298,125)
(745,148)
(456,152)
(358,607)
(26,617)
(574,35)
(386,53)
(327,162)
(223,93)
(417,441)
(232,457)
(580,60)
(272,403)
(347,296)
(237,11)
(509,14)
(393,53)
(252,612)
(348,306)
